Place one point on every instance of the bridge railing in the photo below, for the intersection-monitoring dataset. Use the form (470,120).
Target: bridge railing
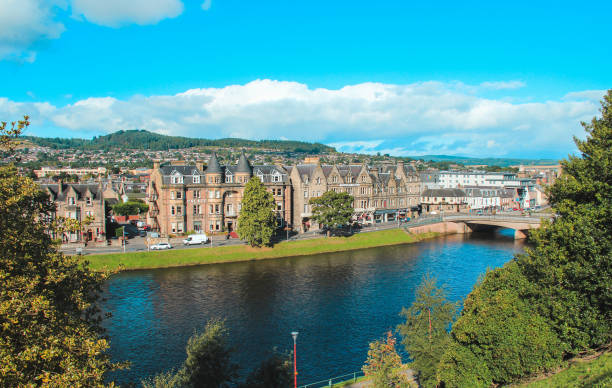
(349,377)
(495,217)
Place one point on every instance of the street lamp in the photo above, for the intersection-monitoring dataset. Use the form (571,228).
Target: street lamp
(294,334)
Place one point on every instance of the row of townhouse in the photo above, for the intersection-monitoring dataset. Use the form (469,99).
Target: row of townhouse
(208,198)
(85,203)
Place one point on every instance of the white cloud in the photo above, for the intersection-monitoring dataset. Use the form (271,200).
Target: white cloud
(501,85)
(586,95)
(23,23)
(413,119)
(206,5)
(115,13)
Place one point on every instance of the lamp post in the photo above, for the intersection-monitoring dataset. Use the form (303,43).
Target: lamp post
(294,334)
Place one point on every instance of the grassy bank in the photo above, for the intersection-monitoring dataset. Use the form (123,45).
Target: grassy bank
(183,257)
(584,373)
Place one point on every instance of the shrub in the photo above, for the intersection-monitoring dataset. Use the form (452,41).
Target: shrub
(459,368)
(503,330)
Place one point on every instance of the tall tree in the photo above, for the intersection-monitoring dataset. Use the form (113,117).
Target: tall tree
(332,209)
(570,264)
(424,333)
(383,364)
(256,223)
(130,208)
(275,371)
(50,331)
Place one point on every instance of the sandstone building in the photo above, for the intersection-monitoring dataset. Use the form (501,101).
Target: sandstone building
(208,198)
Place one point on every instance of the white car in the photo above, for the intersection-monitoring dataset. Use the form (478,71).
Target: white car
(160,246)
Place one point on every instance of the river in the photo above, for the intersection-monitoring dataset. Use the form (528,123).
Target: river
(338,302)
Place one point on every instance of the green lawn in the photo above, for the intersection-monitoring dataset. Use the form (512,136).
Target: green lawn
(595,373)
(175,258)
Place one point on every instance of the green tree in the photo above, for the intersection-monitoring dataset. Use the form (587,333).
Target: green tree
(425,332)
(274,372)
(503,331)
(383,364)
(50,331)
(256,223)
(130,208)
(570,264)
(332,209)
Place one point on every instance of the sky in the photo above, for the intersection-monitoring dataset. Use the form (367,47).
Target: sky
(482,79)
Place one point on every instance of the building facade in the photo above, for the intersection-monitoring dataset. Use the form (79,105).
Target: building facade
(207,198)
(84,203)
(381,193)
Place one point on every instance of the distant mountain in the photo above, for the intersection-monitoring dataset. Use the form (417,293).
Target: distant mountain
(502,162)
(145,140)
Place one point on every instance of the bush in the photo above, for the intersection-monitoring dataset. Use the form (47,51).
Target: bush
(503,330)
(459,367)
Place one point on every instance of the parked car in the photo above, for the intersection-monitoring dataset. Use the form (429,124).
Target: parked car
(196,239)
(161,246)
(143,233)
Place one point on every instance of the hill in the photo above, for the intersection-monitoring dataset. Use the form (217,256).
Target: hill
(145,140)
(502,162)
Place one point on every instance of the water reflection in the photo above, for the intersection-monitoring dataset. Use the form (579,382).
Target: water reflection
(338,302)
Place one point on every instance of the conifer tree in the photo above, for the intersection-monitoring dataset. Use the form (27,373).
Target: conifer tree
(425,335)
(256,223)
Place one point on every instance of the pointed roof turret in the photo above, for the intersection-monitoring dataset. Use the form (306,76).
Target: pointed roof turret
(243,165)
(213,165)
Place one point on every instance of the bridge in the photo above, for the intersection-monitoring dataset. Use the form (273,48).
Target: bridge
(466,223)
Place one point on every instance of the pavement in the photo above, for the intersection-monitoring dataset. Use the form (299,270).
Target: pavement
(139,244)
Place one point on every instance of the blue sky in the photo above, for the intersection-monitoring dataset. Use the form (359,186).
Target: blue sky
(468,78)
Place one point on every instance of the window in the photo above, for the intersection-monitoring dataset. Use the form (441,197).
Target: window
(279,206)
(196,209)
(179,210)
(335,179)
(179,194)
(172,210)
(217,210)
(211,194)
(71,201)
(174,227)
(210,209)
(318,180)
(179,227)
(88,201)
(305,208)
(196,194)
(363,178)
(197,226)
(229,179)
(172,195)
(305,193)
(196,179)
(275,178)
(217,194)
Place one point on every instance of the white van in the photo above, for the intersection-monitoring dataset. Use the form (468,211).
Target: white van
(196,239)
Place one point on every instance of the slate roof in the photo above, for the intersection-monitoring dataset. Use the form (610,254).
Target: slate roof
(213,165)
(443,193)
(79,188)
(243,165)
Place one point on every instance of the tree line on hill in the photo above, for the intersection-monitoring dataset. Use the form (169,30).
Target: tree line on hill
(145,140)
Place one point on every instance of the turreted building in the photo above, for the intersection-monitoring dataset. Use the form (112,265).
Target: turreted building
(207,197)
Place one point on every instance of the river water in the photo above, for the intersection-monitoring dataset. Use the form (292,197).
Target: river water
(338,302)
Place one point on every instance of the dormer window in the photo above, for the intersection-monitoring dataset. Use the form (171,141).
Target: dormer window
(88,201)
(363,178)
(229,179)
(71,201)
(318,180)
(335,179)
(176,178)
(196,179)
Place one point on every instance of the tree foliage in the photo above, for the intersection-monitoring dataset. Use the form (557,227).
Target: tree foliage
(209,365)
(256,223)
(332,209)
(425,332)
(50,331)
(274,372)
(130,208)
(383,364)
(570,265)
(503,330)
